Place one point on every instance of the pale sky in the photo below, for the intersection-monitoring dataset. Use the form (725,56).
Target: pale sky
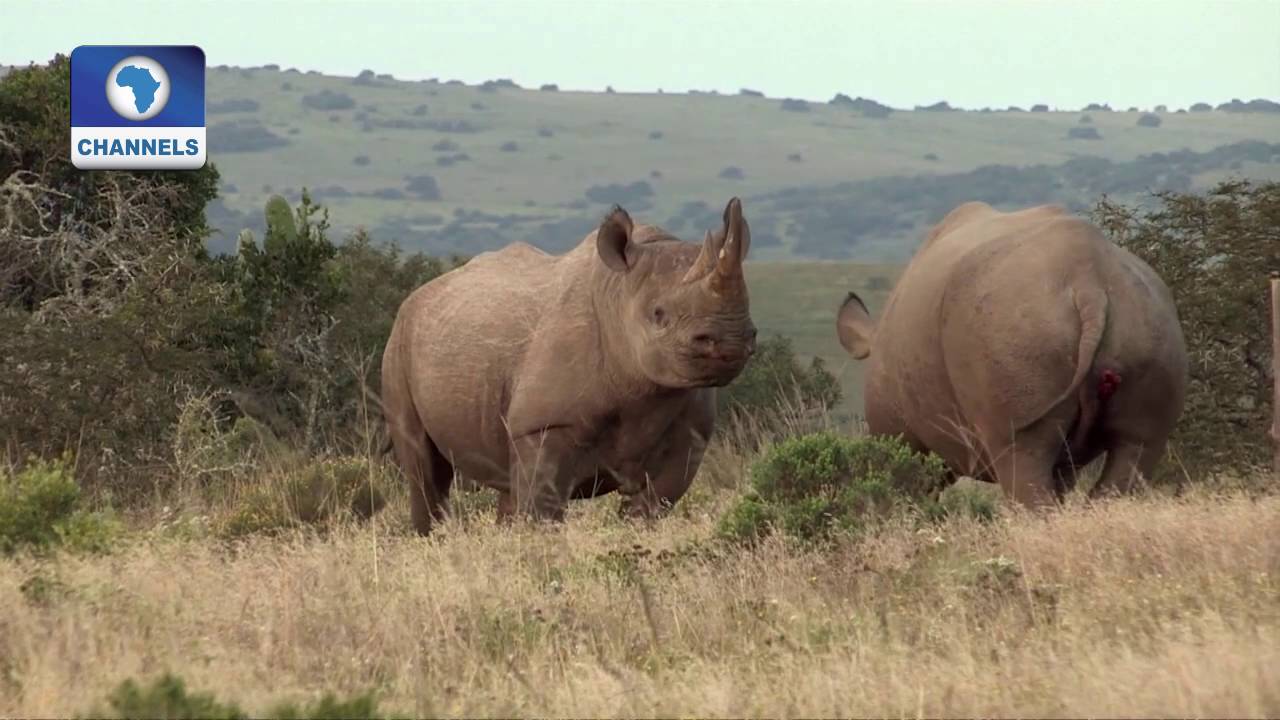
(972,53)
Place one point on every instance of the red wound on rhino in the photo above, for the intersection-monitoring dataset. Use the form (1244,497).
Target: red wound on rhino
(1108,384)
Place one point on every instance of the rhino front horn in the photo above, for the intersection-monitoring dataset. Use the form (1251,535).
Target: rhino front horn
(737,238)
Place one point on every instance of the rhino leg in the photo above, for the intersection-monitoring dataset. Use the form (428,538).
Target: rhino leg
(429,474)
(541,474)
(1128,464)
(669,477)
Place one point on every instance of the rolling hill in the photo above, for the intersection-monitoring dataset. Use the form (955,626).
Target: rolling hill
(447,167)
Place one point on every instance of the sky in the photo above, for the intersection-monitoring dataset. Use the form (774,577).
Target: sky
(971,53)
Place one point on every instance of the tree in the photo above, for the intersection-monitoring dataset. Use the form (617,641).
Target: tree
(1215,251)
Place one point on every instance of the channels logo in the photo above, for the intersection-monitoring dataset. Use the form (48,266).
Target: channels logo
(137,107)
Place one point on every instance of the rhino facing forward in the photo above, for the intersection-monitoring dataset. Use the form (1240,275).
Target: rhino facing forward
(550,377)
(1021,346)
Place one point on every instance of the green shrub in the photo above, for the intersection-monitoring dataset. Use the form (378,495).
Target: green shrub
(814,486)
(40,510)
(331,707)
(167,697)
(319,493)
(775,382)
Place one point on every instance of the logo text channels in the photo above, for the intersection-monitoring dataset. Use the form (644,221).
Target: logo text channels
(138,107)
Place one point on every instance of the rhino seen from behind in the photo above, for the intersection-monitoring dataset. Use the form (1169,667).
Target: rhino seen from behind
(552,377)
(1020,347)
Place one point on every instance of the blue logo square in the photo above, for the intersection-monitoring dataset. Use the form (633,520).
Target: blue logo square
(138,107)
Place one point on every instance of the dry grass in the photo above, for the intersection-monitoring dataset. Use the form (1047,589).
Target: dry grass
(1144,607)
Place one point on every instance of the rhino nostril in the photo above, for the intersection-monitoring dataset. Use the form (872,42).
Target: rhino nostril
(703,339)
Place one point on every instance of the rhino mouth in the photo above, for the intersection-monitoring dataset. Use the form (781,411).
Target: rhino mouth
(721,376)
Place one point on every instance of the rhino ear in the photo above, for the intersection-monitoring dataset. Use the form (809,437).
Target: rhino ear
(613,240)
(855,327)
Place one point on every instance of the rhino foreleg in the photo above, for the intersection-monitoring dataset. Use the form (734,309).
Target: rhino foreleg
(668,478)
(542,474)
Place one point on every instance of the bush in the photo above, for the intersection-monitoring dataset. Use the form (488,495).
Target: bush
(424,186)
(509,146)
(774,383)
(1149,120)
(328,100)
(940,106)
(732,173)
(814,487)
(1214,251)
(360,161)
(242,136)
(40,511)
(793,105)
(317,493)
(1083,133)
(167,697)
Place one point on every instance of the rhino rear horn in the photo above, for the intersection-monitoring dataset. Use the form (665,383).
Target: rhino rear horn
(706,261)
(613,240)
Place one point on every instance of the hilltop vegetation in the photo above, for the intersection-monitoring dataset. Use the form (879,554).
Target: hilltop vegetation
(850,178)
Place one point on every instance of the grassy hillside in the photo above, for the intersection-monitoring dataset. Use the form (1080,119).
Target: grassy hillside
(509,163)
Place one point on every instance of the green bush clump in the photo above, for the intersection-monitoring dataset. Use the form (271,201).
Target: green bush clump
(775,385)
(316,494)
(40,510)
(812,487)
(168,697)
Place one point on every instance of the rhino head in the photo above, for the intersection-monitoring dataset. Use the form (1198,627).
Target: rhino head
(681,309)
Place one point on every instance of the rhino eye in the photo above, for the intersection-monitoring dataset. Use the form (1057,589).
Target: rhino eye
(659,316)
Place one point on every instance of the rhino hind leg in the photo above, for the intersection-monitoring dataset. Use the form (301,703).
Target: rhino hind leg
(1026,476)
(1128,465)
(428,473)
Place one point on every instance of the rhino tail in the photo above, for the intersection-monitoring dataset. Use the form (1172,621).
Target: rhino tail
(1092,306)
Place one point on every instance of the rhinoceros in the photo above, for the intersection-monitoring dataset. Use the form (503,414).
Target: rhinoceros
(1020,347)
(552,377)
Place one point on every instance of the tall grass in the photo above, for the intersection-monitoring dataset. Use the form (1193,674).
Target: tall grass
(1154,605)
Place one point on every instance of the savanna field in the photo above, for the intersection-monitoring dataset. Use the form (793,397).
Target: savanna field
(196,519)
(1151,606)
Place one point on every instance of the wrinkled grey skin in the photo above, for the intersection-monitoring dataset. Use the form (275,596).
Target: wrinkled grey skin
(998,347)
(551,377)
